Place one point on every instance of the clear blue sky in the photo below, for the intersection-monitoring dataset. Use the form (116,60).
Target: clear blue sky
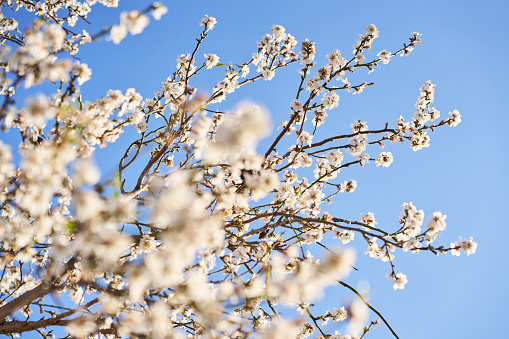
(462,174)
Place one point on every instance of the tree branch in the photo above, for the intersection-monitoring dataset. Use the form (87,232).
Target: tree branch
(25,326)
(368,305)
(49,284)
(38,292)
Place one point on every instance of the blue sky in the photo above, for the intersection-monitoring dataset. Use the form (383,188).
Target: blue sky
(462,174)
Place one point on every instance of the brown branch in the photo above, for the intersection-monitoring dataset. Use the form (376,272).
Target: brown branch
(38,292)
(149,165)
(25,326)
(312,220)
(49,284)
(325,141)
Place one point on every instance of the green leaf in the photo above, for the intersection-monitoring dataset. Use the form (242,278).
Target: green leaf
(116,179)
(71,227)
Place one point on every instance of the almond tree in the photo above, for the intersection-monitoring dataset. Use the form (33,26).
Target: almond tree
(209,237)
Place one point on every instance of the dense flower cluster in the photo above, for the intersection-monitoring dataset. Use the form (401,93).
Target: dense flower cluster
(209,238)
